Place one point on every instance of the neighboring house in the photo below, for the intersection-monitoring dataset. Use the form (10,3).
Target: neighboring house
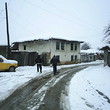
(90,55)
(68,51)
(106,49)
(3,50)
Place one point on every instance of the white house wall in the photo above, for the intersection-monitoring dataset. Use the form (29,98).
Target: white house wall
(65,55)
(38,46)
(50,46)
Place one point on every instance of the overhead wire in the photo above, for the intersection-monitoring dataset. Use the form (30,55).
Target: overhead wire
(53,12)
(25,20)
(59,9)
(21,24)
(2,19)
(9,2)
(12,10)
(3,10)
(46,10)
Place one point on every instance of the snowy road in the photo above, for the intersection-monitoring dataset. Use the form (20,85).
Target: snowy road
(40,93)
(43,93)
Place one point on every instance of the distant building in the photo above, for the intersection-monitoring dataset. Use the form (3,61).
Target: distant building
(68,51)
(90,55)
(106,49)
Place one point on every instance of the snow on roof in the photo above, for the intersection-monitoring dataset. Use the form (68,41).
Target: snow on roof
(52,38)
(48,37)
(90,51)
(104,46)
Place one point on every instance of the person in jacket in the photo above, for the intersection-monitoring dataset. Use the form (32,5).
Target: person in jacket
(54,61)
(39,62)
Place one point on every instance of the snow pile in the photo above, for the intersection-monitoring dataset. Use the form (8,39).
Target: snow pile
(89,89)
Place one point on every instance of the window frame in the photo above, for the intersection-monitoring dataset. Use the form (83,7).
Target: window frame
(57,45)
(24,47)
(72,58)
(76,57)
(75,47)
(62,46)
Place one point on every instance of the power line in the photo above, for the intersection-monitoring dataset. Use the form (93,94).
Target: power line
(25,20)
(46,10)
(53,6)
(2,11)
(2,19)
(9,2)
(21,24)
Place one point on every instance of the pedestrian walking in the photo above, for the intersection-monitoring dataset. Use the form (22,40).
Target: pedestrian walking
(54,61)
(39,62)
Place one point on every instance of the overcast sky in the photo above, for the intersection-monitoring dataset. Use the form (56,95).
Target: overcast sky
(82,20)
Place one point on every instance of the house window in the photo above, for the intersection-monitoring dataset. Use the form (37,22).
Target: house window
(57,46)
(75,57)
(75,46)
(24,47)
(58,56)
(62,46)
(72,57)
(71,46)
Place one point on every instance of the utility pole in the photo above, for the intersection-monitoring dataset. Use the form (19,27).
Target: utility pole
(7,28)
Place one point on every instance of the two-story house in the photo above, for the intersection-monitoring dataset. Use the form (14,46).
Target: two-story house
(68,51)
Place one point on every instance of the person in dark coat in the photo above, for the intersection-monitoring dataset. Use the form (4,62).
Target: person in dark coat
(54,61)
(39,62)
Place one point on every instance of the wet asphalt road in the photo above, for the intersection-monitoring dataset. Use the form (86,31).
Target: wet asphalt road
(43,93)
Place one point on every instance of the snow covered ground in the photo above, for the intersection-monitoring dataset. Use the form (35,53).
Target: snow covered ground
(89,89)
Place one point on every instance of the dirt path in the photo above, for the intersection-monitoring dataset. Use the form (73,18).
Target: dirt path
(43,93)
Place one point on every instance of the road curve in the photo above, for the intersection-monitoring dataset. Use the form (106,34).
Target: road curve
(43,93)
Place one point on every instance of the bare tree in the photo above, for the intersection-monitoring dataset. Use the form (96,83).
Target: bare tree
(107,34)
(85,46)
